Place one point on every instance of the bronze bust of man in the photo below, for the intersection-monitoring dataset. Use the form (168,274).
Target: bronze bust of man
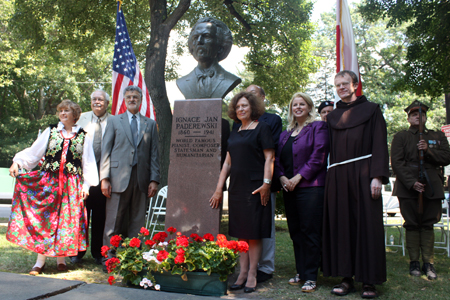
(209,42)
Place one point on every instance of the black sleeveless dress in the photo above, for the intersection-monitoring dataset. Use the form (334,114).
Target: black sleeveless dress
(248,219)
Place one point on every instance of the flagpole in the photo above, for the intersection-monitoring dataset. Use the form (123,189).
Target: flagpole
(346,56)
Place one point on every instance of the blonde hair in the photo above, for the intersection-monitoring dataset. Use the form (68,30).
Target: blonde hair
(311,116)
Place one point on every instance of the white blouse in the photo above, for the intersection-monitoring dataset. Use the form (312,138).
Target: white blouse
(30,157)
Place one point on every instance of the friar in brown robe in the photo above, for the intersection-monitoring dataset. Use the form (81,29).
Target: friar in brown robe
(353,233)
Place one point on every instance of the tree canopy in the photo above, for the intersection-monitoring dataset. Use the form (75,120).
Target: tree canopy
(382,52)
(427,62)
(277,32)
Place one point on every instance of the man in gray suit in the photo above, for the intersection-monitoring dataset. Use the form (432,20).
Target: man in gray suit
(94,123)
(129,167)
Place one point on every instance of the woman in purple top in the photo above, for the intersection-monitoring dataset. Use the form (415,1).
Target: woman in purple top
(301,167)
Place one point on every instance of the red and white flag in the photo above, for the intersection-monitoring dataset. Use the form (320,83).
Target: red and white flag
(126,71)
(346,58)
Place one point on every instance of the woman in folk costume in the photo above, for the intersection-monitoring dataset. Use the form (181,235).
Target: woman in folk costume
(48,214)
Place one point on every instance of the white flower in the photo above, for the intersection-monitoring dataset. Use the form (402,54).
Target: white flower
(157,287)
(150,255)
(145,283)
(163,244)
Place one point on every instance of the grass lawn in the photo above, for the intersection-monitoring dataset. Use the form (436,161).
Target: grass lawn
(399,285)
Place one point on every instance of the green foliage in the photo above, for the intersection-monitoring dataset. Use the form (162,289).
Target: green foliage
(428,23)
(33,80)
(382,52)
(276,32)
(18,133)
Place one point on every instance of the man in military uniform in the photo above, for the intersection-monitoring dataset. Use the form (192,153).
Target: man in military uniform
(405,164)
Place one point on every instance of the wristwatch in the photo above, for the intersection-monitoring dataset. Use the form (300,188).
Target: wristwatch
(268,181)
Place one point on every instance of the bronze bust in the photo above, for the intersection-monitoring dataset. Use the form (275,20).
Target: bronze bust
(209,42)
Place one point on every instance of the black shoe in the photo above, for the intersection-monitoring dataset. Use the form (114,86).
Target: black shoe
(249,289)
(414,268)
(262,276)
(98,260)
(75,260)
(236,287)
(429,270)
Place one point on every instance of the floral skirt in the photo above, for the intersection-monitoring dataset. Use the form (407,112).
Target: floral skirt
(48,214)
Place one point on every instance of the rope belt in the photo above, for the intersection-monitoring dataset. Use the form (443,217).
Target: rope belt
(350,160)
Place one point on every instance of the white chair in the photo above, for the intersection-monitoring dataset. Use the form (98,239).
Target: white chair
(392,219)
(156,211)
(443,227)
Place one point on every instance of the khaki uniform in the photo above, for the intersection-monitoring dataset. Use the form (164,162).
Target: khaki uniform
(405,164)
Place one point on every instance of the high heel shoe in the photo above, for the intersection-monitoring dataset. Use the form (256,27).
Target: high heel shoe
(36,270)
(249,289)
(236,287)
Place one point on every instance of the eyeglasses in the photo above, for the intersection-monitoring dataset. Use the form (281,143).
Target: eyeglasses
(343,84)
(97,99)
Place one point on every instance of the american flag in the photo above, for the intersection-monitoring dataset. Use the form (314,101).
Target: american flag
(126,71)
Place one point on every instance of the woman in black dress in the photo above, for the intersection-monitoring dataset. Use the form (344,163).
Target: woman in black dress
(249,161)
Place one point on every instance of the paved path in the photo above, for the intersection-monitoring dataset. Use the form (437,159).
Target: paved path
(24,287)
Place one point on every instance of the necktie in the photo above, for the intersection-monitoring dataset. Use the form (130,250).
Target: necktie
(98,141)
(204,81)
(134,132)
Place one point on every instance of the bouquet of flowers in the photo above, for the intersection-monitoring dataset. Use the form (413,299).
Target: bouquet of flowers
(136,258)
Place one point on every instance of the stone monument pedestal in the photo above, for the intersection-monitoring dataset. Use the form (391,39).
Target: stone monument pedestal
(194,169)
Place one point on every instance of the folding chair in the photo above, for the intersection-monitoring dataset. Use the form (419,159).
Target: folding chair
(443,227)
(390,203)
(156,211)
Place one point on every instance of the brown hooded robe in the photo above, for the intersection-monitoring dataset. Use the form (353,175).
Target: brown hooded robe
(353,234)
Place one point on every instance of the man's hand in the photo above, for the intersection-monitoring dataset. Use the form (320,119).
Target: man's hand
(420,187)
(422,145)
(152,189)
(106,188)
(375,188)
(14,170)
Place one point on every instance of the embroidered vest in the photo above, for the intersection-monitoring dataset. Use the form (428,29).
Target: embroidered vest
(55,151)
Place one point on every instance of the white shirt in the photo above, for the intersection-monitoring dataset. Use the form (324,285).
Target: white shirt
(103,122)
(138,118)
(30,157)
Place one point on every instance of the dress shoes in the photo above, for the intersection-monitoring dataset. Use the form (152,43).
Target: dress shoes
(61,267)
(249,289)
(429,270)
(36,270)
(236,287)
(414,268)
(262,276)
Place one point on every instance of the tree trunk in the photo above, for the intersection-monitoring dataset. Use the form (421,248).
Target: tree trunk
(447,107)
(3,107)
(156,54)
(41,104)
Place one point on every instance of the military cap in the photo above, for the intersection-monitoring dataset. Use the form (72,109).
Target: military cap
(415,106)
(325,104)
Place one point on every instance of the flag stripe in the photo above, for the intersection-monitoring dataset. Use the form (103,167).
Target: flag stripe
(126,71)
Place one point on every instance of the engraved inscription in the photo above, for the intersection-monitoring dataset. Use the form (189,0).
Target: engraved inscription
(196,137)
